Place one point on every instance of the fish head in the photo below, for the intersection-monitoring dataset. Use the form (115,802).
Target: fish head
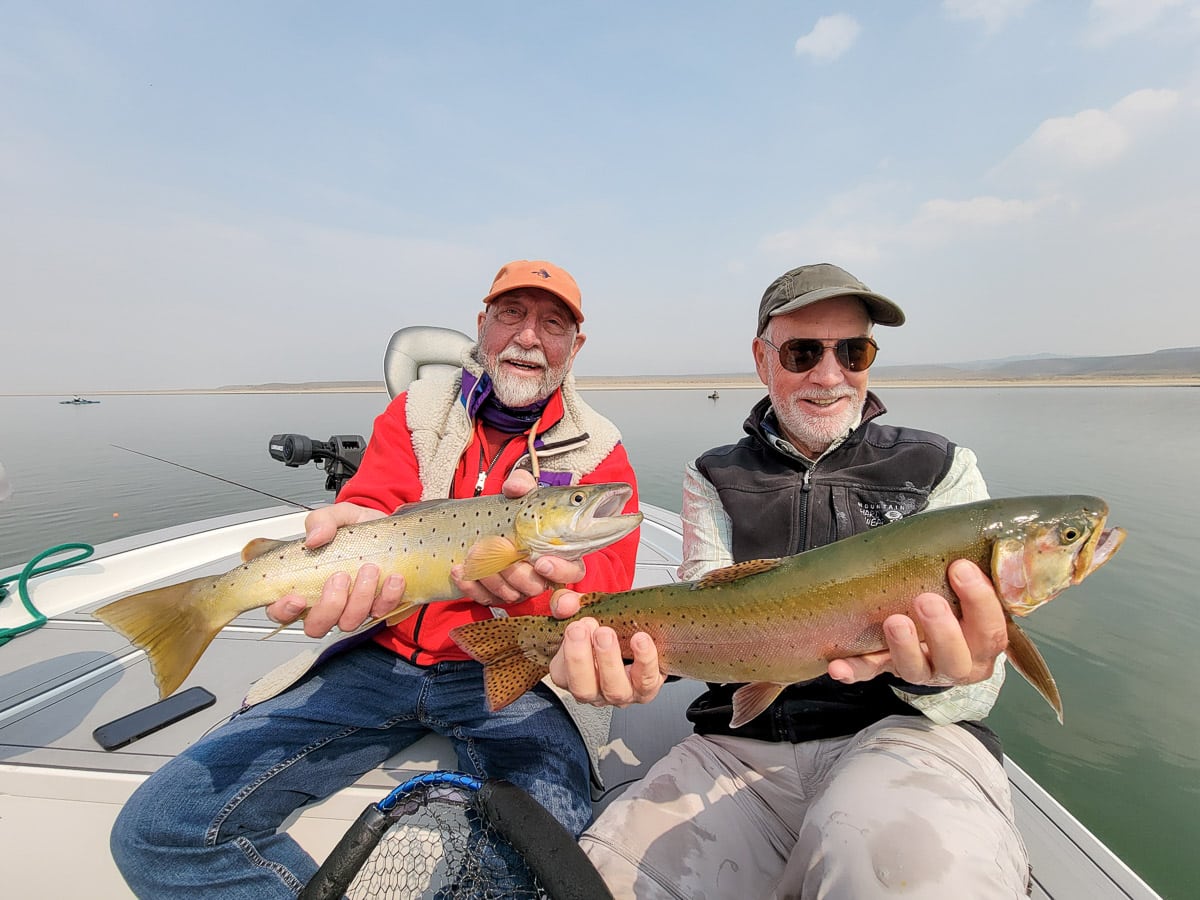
(570,521)
(1038,555)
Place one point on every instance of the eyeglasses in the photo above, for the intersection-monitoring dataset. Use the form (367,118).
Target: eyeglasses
(512,315)
(801,354)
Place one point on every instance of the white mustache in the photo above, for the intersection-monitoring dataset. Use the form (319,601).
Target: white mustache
(526,356)
(833,394)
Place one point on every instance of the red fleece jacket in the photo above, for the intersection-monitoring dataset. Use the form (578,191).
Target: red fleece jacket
(388,478)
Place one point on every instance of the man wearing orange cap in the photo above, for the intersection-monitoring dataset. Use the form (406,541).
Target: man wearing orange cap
(211,816)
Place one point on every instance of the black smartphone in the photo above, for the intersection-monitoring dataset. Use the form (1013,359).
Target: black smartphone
(150,719)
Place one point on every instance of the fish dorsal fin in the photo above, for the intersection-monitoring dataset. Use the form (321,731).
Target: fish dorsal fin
(1029,662)
(751,699)
(738,571)
(258,547)
(490,555)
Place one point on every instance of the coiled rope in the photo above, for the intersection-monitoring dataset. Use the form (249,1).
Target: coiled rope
(31,570)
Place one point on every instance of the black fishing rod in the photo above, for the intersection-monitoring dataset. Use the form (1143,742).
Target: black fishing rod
(217,477)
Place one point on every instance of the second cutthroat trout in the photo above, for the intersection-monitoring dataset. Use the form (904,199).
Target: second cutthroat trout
(422,541)
(770,623)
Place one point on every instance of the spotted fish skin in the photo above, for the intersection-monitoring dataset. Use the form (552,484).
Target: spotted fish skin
(770,623)
(421,542)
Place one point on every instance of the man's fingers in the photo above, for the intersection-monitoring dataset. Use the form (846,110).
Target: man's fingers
(616,688)
(573,666)
(948,658)
(325,614)
(564,603)
(360,599)
(984,624)
(518,483)
(554,570)
(322,524)
(860,668)
(644,673)
(390,596)
(286,610)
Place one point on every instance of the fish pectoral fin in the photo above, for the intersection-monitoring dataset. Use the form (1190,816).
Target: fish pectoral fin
(490,555)
(737,571)
(751,699)
(258,547)
(1027,660)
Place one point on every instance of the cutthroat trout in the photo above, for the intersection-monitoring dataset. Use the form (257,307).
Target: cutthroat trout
(175,624)
(774,622)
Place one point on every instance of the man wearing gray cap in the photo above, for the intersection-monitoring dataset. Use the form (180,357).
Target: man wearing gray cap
(876,779)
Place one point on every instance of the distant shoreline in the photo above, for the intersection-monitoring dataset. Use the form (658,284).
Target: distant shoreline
(666,382)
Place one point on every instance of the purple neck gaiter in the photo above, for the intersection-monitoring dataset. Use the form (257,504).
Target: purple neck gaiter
(481,403)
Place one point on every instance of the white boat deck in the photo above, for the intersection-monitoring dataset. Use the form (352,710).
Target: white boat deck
(59,791)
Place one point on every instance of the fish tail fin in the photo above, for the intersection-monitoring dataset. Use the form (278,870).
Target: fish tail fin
(1027,660)
(508,669)
(171,625)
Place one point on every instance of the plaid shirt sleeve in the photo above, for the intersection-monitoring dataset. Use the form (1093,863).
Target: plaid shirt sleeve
(707,530)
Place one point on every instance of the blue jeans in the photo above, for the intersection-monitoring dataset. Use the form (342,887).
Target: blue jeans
(209,818)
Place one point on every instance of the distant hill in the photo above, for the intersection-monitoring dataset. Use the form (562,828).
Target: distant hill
(1179,362)
(1180,365)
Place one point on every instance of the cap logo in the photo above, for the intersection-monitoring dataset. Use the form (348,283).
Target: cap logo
(541,273)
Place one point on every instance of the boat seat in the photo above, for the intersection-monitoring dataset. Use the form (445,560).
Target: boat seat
(418,349)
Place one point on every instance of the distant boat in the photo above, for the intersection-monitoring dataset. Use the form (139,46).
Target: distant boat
(77,401)
(713,396)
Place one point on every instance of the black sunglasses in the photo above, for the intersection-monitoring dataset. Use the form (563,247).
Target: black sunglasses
(801,354)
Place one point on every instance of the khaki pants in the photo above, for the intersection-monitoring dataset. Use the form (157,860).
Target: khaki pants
(904,809)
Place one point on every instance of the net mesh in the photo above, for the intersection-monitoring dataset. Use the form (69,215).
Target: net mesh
(440,847)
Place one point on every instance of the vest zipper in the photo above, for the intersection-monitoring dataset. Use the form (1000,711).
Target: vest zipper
(805,491)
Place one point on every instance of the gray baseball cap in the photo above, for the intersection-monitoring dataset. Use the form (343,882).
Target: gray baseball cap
(808,284)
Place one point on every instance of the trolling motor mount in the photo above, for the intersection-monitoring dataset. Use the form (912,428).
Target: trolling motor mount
(341,455)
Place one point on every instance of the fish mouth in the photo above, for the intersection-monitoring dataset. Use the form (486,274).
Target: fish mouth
(601,517)
(1103,544)
(610,503)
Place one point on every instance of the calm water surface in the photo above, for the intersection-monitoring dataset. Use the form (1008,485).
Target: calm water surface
(1122,646)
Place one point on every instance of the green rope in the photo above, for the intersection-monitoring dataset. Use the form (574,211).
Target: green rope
(22,578)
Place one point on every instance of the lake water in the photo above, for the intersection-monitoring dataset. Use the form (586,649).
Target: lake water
(1122,646)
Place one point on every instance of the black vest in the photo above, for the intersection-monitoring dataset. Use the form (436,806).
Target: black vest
(779,506)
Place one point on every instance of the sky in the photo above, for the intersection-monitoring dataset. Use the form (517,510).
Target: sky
(202,194)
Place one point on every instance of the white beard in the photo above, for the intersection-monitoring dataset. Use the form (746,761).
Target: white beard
(515,391)
(817,433)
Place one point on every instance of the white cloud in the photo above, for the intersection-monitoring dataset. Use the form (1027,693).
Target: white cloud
(993,13)
(830,38)
(978,212)
(936,223)
(1110,20)
(1096,137)
(847,245)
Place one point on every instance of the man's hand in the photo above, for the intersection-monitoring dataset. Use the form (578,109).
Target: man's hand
(953,652)
(523,579)
(342,603)
(590,665)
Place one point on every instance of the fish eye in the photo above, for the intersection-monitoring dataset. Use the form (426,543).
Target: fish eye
(577,498)
(1070,533)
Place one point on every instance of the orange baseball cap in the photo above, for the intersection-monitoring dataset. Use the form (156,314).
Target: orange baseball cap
(537,273)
